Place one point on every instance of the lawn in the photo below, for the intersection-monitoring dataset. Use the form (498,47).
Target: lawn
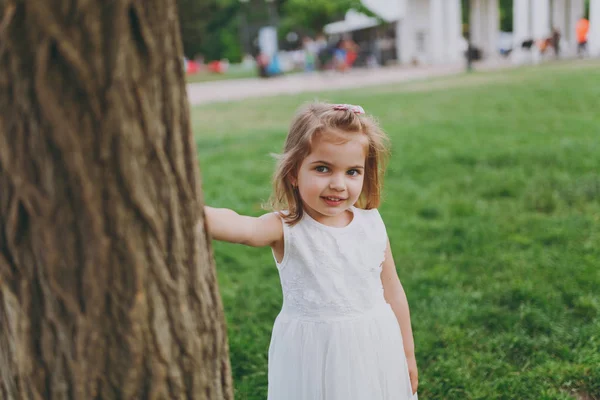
(206,76)
(235,72)
(492,205)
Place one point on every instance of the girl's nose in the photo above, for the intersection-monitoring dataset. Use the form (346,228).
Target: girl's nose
(337,183)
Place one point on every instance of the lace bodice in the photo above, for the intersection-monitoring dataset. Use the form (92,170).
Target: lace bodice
(329,272)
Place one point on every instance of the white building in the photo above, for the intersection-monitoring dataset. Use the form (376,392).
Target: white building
(427,31)
(594,35)
(376,36)
(534,20)
(430,31)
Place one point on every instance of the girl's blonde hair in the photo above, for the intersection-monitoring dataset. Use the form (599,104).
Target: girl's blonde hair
(317,119)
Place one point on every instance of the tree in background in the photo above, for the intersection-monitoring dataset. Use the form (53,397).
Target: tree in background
(212,28)
(311,16)
(587,9)
(107,283)
(506,14)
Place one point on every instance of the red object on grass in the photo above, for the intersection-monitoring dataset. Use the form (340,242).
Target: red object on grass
(216,66)
(350,58)
(192,67)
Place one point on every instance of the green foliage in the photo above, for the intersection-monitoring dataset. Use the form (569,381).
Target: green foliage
(492,205)
(210,28)
(312,15)
(506,14)
(587,9)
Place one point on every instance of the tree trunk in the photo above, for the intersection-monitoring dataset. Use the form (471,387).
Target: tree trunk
(107,290)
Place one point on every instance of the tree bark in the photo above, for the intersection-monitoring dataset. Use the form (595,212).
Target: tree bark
(107,288)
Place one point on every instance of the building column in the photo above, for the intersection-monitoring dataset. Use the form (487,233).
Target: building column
(594,34)
(430,31)
(493,26)
(541,19)
(454,30)
(485,25)
(575,10)
(521,29)
(405,43)
(436,31)
(540,25)
(476,24)
(401,49)
(559,17)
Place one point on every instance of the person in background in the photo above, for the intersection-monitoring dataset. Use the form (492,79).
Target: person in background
(581,29)
(262,61)
(351,51)
(339,56)
(310,54)
(321,51)
(556,42)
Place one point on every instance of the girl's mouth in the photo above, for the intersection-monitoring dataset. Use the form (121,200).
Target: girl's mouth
(332,201)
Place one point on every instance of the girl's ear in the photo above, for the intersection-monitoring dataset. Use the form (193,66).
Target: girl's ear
(293,180)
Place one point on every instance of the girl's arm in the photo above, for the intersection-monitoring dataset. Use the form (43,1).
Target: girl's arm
(395,296)
(227,225)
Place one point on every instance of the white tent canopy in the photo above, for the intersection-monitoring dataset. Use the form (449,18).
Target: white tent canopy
(354,21)
(387,10)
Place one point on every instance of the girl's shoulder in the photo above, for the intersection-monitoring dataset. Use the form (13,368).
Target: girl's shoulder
(372,213)
(372,219)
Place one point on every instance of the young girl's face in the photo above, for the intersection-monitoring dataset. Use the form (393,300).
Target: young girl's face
(330,178)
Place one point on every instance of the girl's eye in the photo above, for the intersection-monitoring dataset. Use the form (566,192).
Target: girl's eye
(321,168)
(353,172)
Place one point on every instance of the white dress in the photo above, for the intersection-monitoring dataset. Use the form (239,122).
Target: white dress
(336,338)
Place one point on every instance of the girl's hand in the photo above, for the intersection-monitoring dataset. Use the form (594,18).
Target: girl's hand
(413,373)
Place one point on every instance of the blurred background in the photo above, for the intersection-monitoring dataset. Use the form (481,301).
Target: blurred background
(242,38)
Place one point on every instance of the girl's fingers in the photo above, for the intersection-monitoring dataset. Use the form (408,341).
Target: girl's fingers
(414,381)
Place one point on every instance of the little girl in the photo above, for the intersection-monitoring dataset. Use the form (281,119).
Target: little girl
(344,329)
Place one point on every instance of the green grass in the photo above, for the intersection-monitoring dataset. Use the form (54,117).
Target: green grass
(235,72)
(205,76)
(492,204)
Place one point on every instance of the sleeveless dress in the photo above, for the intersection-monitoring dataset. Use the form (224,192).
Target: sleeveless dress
(336,338)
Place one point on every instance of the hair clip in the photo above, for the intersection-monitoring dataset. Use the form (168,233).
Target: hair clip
(346,107)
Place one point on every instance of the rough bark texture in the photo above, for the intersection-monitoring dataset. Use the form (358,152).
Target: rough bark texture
(107,290)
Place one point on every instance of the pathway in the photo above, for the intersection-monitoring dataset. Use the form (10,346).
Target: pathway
(238,89)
